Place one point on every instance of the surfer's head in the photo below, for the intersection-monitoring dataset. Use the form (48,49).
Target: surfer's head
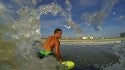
(58,32)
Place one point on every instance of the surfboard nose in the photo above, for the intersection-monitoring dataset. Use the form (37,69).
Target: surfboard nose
(69,64)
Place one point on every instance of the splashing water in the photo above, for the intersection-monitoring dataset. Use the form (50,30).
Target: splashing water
(55,9)
(19,27)
(97,18)
(20,31)
(120,51)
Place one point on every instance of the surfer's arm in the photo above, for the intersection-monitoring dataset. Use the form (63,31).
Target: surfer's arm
(57,51)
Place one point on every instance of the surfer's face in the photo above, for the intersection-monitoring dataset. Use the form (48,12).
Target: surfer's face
(59,34)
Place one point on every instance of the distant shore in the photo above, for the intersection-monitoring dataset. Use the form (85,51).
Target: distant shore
(89,41)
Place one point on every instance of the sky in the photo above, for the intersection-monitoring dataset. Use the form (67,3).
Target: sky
(104,18)
(98,18)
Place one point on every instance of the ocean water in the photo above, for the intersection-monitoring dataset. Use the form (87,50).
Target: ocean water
(85,57)
(20,26)
(97,57)
(90,57)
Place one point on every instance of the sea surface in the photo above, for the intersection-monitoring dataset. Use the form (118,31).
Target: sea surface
(90,57)
(85,56)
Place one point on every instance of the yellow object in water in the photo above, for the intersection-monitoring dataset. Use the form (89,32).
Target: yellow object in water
(69,64)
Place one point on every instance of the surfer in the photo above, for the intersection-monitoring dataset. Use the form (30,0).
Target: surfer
(52,46)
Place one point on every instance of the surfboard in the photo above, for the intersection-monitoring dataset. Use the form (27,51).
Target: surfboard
(69,64)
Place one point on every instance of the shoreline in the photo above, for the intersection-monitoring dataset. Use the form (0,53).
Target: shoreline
(88,41)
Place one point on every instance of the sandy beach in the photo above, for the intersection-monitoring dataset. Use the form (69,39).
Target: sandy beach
(89,41)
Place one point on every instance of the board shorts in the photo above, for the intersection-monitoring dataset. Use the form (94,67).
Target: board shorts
(42,54)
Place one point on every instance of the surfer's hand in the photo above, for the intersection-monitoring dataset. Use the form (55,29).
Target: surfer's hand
(61,59)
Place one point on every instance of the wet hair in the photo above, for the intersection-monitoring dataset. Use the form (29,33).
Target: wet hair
(57,30)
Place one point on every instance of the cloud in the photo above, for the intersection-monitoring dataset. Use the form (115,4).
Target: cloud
(4,14)
(34,2)
(2,8)
(121,17)
(85,3)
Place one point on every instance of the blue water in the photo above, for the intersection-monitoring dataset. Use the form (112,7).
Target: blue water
(85,57)
(90,57)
